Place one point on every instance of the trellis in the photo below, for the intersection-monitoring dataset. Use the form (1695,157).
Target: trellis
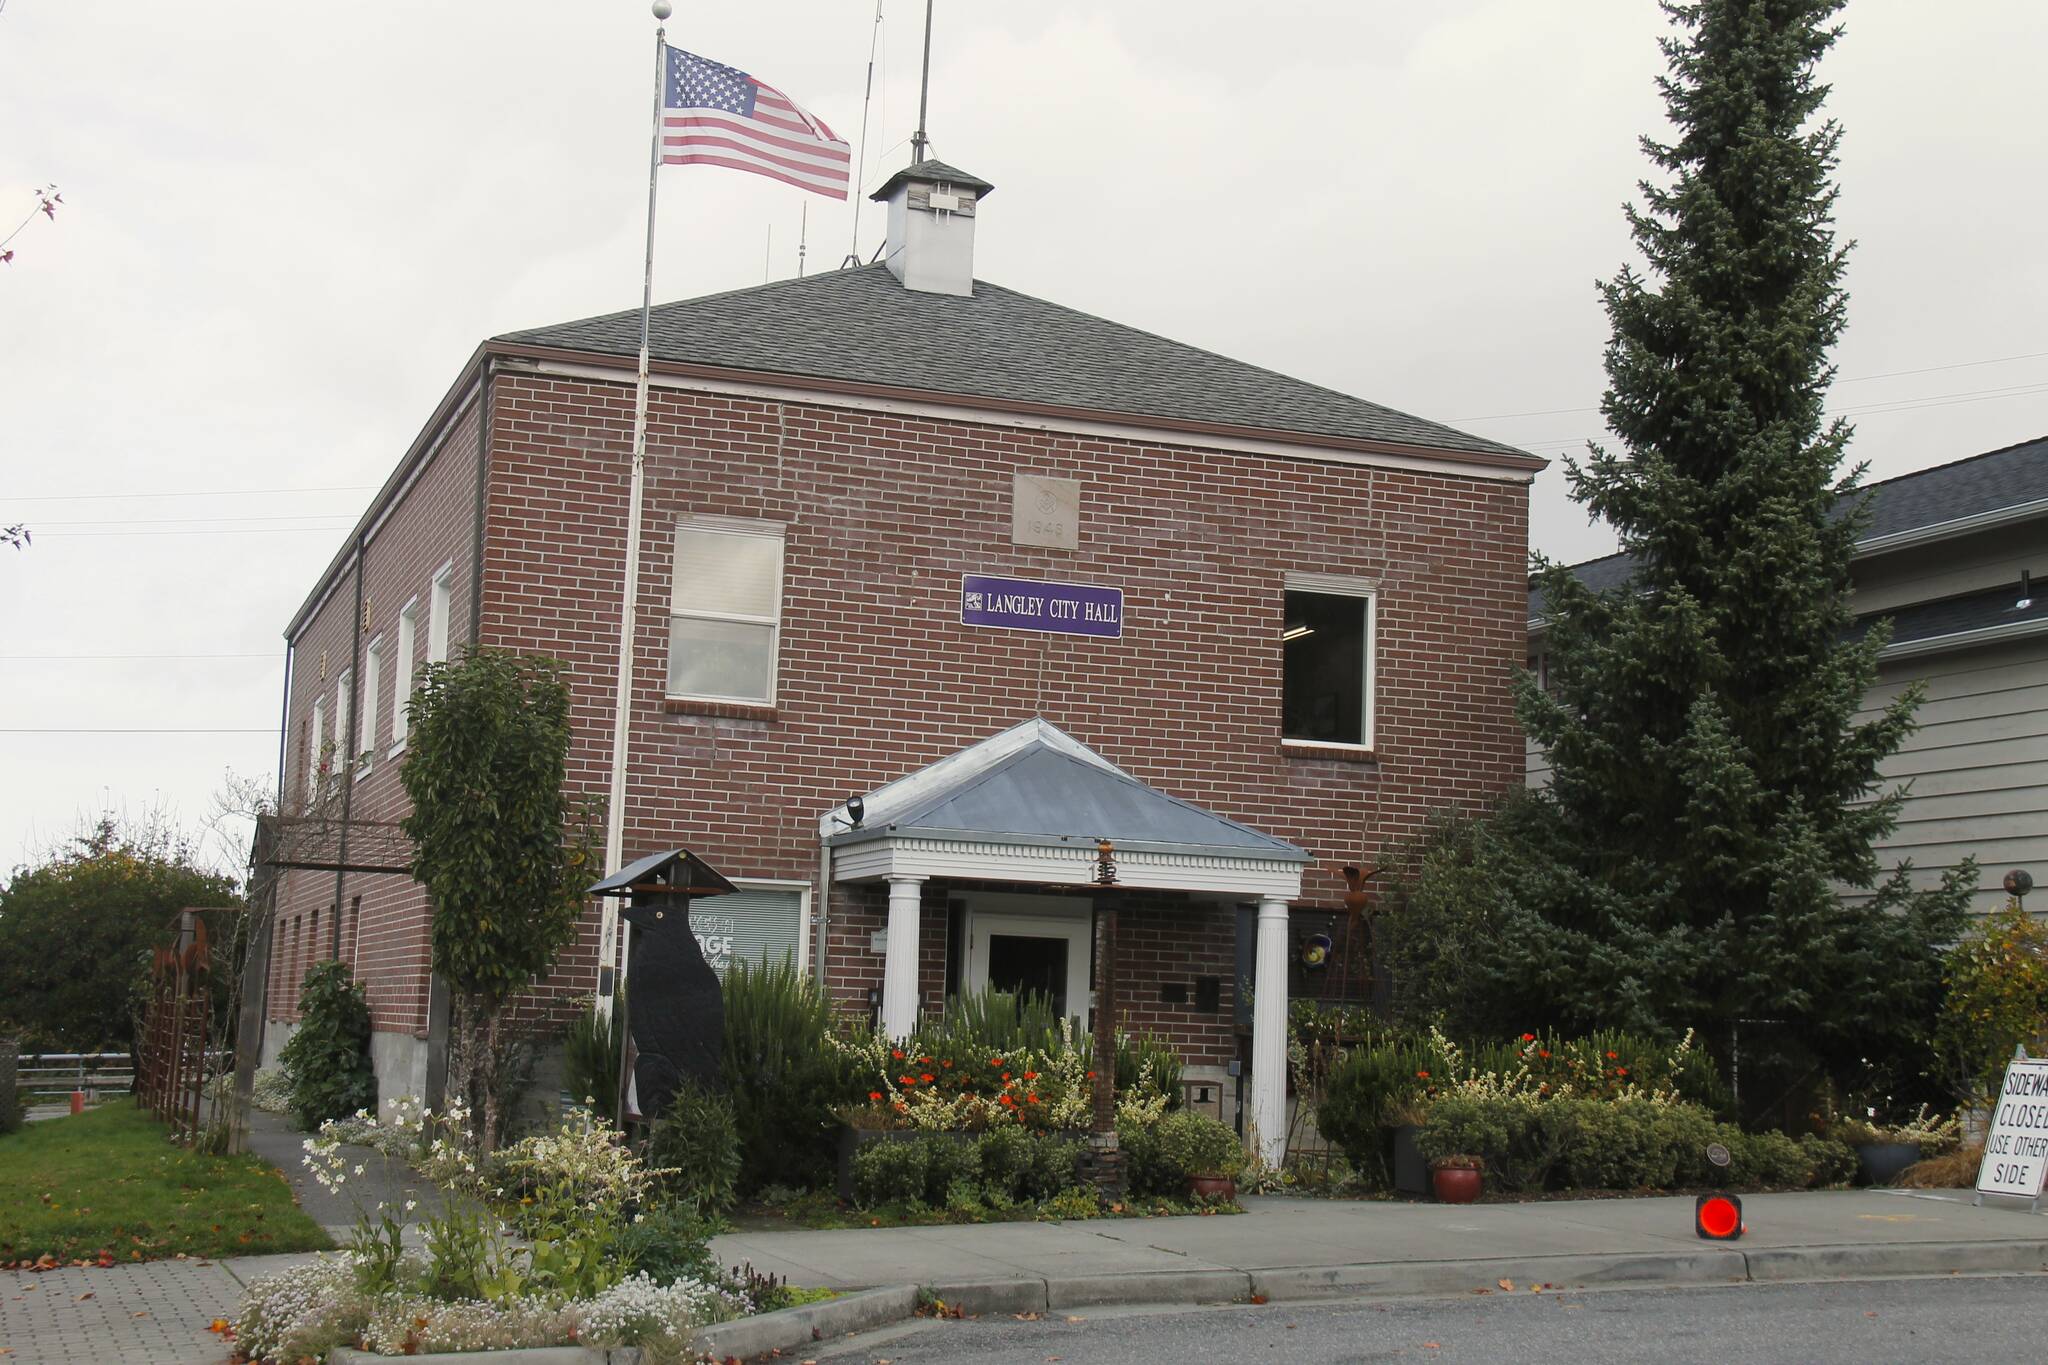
(171,1060)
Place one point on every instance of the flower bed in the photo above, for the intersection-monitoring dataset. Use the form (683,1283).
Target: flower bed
(562,1239)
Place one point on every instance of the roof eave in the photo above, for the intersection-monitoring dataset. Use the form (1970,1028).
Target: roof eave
(802,383)
(1276,852)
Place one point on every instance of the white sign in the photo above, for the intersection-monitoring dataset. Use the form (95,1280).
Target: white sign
(2016,1152)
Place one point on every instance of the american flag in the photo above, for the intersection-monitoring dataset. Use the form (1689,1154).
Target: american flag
(714,115)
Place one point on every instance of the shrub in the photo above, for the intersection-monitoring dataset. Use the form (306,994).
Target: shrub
(670,1242)
(1833,1162)
(784,1076)
(1145,1170)
(1199,1145)
(590,1058)
(1771,1159)
(1006,1156)
(1997,998)
(1055,1167)
(327,1060)
(1378,1084)
(1141,1056)
(889,1172)
(949,1163)
(699,1143)
(1519,1136)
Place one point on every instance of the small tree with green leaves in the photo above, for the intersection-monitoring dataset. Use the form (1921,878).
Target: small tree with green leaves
(499,845)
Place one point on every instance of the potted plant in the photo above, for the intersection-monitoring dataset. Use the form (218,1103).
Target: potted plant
(1883,1150)
(1206,1152)
(1457,1179)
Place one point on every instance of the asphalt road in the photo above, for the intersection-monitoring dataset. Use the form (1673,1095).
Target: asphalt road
(2001,1318)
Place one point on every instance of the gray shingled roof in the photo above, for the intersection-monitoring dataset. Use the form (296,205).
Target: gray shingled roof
(932,169)
(1040,794)
(2010,476)
(861,326)
(1954,615)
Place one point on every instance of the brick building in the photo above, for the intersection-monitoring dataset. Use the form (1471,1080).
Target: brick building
(1017,577)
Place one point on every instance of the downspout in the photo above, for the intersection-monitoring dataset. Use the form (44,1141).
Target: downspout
(352,736)
(821,911)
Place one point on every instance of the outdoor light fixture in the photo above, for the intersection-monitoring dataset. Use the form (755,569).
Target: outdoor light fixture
(855,809)
(1718,1217)
(2018,883)
(1295,632)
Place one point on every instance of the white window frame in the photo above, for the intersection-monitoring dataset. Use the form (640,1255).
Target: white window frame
(440,601)
(734,526)
(401,673)
(1339,585)
(373,679)
(315,743)
(344,693)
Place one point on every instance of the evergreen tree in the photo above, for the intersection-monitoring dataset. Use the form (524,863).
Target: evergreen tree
(1712,788)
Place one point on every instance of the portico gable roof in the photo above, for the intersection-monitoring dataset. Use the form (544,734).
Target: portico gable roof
(1029,805)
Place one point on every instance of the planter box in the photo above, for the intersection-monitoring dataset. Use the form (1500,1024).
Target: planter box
(1881,1162)
(1411,1172)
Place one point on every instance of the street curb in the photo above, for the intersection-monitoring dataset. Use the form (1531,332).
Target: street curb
(1395,1278)
(1148,1286)
(1896,1258)
(991,1296)
(524,1355)
(788,1328)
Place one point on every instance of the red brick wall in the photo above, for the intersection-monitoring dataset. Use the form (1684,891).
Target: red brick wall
(432,524)
(877,676)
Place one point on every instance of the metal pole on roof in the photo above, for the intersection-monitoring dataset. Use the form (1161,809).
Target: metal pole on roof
(918,141)
(622,712)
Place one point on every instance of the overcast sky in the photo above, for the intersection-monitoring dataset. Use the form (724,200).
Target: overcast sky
(285,227)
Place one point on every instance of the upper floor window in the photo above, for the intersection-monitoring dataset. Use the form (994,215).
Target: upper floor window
(401,672)
(316,749)
(344,712)
(725,611)
(437,614)
(373,672)
(1327,664)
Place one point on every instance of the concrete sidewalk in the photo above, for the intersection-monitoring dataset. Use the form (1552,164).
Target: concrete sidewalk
(1307,1248)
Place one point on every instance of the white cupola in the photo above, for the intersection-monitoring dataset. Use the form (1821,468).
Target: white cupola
(930,244)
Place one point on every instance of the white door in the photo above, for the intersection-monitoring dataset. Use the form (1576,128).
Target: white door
(1036,944)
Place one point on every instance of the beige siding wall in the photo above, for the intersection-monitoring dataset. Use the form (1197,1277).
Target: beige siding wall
(1978,764)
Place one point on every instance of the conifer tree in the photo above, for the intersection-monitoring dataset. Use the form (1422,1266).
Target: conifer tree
(1712,787)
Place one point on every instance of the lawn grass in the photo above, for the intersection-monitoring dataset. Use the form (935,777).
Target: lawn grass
(109,1185)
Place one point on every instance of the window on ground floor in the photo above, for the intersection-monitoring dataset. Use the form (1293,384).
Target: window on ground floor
(1326,638)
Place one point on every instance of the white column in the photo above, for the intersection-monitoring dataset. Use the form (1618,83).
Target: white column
(1269,1033)
(899,967)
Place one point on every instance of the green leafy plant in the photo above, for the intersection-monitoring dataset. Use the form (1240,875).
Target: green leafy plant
(327,1059)
(696,1145)
(1997,999)
(785,1074)
(496,843)
(889,1172)
(591,1057)
(668,1242)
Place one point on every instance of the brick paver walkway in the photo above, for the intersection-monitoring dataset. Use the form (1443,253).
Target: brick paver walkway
(156,1313)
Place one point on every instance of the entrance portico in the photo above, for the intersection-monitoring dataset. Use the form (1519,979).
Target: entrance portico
(1025,809)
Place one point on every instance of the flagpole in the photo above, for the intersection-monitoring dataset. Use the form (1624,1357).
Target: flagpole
(622,720)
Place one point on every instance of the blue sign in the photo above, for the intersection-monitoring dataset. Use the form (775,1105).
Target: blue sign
(1027,604)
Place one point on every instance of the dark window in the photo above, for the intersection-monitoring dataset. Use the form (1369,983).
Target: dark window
(1325,674)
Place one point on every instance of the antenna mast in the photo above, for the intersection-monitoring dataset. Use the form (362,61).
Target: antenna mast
(918,141)
(803,228)
(860,172)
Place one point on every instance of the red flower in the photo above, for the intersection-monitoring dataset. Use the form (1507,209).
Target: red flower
(948,1062)
(1034,1099)
(995,1061)
(1031,1075)
(897,1053)
(1091,1075)
(1422,1075)
(1621,1071)
(1007,1100)
(1006,1075)
(905,1080)
(1528,1037)
(1612,1055)
(926,1078)
(1543,1052)
(874,1094)
(925,1061)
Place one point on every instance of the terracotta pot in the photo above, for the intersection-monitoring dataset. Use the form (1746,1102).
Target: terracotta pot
(1456,1185)
(1212,1187)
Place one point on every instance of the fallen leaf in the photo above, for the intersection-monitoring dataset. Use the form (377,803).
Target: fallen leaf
(1077,1319)
(1027,1317)
(1870,1315)
(83,1297)
(138,1315)
(1258,1298)
(1508,1285)
(1431,1346)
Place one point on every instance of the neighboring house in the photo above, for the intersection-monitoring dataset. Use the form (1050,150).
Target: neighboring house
(1951,557)
(1253,630)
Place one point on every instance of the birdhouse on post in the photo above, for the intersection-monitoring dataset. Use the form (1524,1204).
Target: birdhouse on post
(673,1029)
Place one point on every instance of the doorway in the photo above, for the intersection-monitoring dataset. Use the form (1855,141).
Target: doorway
(1036,944)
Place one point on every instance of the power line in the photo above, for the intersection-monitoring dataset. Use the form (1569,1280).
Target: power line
(54,658)
(132,730)
(198,531)
(197,493)
(187,521)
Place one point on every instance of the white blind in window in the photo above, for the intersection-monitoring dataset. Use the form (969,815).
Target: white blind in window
(727,573)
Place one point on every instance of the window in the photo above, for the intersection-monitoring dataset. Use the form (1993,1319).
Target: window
(373,672)
(1327,668)
(725,611)
(344,697)
(437,614)
(316,749)
(401,672)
